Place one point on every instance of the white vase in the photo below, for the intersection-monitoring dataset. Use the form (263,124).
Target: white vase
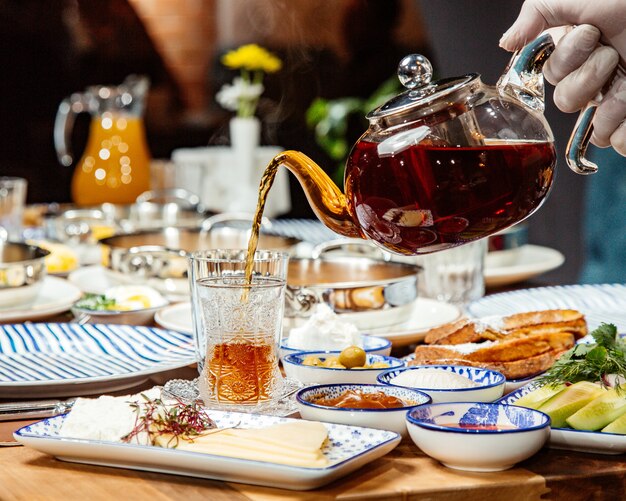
(245,137)
(245,133)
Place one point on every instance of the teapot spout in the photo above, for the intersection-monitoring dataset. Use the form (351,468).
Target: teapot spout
(326,199)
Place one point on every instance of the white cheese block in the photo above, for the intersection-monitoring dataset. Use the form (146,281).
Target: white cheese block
(297,444)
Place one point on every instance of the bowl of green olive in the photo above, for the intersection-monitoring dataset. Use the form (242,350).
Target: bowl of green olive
(351,365)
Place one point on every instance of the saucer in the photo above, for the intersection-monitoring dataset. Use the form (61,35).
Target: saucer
(55,296)
(530,261)
(282,404)
(425,314)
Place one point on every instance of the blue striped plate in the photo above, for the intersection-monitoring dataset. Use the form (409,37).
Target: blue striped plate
(599,303)
(52,359)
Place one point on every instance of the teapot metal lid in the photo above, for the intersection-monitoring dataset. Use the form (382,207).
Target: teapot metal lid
(415,73)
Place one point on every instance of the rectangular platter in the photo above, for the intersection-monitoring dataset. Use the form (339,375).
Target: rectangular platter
(575,440)
(348,448)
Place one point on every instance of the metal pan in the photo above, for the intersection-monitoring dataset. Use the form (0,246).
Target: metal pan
(163,253)
(351,284)
(152,210)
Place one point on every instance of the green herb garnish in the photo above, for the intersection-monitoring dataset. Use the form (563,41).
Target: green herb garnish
(96,302)
(590,361)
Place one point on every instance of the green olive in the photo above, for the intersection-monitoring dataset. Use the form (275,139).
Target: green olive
(352,356)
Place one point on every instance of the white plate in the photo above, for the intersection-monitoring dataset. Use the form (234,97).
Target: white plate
(96,279)
(55,296)
(530,261)
(348,448)
(576,440)
(176,317)
(54,359)
(426,314)
(599,303)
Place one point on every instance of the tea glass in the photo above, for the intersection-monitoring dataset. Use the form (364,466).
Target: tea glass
(237,326)
(12,201)
(455,275)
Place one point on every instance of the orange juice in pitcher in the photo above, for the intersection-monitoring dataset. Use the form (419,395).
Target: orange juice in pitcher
(115,166)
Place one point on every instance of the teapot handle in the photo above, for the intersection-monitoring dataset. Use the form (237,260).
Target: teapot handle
(64,123)
(579,141)
(523,80)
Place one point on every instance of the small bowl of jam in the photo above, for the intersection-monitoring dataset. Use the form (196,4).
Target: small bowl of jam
(368,405)
(478,436)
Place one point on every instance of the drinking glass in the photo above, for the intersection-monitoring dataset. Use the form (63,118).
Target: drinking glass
(237,325)
(12,201)
(455,275)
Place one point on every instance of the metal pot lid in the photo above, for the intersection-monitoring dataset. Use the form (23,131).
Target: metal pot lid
(415,73)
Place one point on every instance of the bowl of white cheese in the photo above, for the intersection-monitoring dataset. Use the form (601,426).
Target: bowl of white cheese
(326,331)
(448,383)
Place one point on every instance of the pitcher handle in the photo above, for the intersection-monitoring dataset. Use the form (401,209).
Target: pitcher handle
(64,124)
(579,141)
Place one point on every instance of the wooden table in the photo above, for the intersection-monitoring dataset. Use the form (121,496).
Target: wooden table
(404,474)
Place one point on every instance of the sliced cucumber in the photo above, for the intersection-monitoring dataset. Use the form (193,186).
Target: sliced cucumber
(567,402)
(600,411)
(617,426)
(535,398)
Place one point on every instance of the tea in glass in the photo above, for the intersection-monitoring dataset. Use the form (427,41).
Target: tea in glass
(238,324)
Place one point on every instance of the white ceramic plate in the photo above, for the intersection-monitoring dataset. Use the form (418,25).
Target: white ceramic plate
(426,314)
(530,261)
(576,440)
(96,279)
(176,317)
(348,449)
(59,359)
(599,303)
(55,296)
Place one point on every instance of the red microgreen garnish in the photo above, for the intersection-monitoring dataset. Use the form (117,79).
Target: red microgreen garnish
(178,419)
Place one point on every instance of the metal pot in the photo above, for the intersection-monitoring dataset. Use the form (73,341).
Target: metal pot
(380,292)
(22,270)
(163,253)
(153,209)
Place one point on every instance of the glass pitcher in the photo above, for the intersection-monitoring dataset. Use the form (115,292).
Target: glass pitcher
(115,164)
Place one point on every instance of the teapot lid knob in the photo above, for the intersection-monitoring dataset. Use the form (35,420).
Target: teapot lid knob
(415,71)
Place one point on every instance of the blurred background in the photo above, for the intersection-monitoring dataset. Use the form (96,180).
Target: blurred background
(331,49)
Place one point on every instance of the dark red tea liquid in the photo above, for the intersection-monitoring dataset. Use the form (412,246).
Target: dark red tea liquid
(427,198)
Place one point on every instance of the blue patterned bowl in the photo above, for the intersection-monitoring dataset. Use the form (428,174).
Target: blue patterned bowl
(311,374)
(478,436)
(382,419)
(491,383)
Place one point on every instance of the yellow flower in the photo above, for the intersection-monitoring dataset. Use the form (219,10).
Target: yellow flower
(251,57)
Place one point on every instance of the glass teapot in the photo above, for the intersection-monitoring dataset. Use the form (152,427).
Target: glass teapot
(447,162)
(115,166)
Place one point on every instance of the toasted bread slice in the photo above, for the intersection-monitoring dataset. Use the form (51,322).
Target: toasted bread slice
(523,347)
(498,351)
(516,325)
(516,369)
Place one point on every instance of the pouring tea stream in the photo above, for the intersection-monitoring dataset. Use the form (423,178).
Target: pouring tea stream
(443,163)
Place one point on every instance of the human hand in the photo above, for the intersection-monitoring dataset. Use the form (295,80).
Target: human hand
(585,59)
